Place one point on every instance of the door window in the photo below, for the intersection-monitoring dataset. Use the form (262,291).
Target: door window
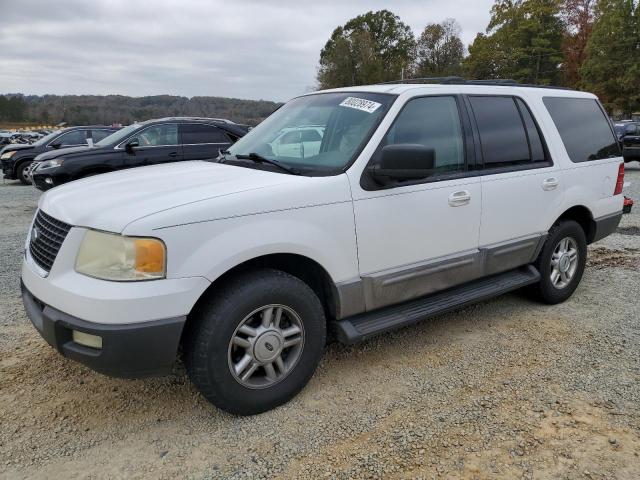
(433,122)
(159,135)
(75,137)
(196,133)
(98,135)
(583,127)
(503,137)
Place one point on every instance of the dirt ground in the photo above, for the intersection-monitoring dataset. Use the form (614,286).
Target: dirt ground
(504,389)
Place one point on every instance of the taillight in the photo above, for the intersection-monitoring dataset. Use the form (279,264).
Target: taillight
(620,180)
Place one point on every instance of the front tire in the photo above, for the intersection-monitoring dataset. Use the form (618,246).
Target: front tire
(22,171)
(255,342)
(561,262)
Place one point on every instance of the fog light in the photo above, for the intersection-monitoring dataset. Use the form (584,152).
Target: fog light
(86,339)
(48,180)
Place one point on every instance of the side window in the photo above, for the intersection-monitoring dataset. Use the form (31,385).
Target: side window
(533,134)
(435,123)
(194,133)
(159,135)
(311,136)
(583,127)
(98,135)
(76,137)
(502,134)
(290,138)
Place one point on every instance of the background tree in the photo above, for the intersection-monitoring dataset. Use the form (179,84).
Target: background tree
(578,17)
(523,42)
(439,50)
(369,48)
(611,68)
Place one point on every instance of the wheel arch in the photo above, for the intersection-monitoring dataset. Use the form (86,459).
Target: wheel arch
(300,266)
(583,216)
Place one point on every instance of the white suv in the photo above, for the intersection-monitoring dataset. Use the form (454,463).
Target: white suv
(420,199)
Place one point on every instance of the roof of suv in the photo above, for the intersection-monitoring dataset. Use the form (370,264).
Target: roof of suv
(400,88)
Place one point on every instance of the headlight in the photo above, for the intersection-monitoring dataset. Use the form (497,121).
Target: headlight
(115,257)
(8,154)
(56,162)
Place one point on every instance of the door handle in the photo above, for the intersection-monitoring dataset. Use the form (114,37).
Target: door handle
(173,154)
(458,199)
(550,183)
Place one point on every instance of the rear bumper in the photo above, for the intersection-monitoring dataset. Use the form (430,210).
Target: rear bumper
(606,225)
(128,350)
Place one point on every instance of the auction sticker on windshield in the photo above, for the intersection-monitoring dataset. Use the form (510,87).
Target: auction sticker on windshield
(360,104)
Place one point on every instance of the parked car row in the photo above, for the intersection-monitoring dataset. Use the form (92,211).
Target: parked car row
(23,137)
(79,152)
(628,133)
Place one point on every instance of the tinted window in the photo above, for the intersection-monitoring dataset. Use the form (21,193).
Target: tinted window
(533,134)
(583,127)
(311,136)
(75,137)
(502,134)
(98,135)
(193,133)
(158,135)
(435,123)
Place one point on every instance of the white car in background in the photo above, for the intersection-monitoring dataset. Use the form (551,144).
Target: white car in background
(298,142)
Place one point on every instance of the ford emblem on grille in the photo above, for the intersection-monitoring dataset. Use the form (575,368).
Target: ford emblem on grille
(35,233)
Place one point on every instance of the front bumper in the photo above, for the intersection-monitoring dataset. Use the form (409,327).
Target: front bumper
(42,181)
(128,350)
(7,169)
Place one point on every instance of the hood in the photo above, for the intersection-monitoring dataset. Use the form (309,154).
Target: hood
(12,147)
(111,201)
(64,151)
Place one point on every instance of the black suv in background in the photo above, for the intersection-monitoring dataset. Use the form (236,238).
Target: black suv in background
(628,133)
(148,143)
(16,158)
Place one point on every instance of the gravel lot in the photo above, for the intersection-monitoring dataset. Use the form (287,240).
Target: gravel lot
(504,389)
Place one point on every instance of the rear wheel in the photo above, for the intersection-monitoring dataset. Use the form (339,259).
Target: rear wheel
(255,343)
(23,172)
(561,262)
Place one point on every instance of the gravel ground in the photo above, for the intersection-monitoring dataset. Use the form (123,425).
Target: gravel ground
(504,389)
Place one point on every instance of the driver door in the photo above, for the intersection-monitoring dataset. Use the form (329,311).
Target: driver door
(418,237)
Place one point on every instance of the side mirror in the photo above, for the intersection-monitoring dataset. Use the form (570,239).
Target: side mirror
(133,143)
(55,144)
(404,162)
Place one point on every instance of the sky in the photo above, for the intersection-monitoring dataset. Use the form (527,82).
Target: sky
(243,49)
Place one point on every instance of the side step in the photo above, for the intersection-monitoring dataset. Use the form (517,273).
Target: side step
(366,325)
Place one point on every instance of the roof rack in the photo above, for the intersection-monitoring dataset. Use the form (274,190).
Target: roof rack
(452,80)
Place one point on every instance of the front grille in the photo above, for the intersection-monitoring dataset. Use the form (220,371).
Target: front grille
(47,236)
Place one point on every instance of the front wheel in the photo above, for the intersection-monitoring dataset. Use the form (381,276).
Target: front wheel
(561,262)
(256,342)
(23,172)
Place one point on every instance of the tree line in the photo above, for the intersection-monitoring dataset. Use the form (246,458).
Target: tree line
(108,109)
(591,45)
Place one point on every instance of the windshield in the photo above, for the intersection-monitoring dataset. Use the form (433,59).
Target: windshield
(317,134)
(118,136)
(47,138)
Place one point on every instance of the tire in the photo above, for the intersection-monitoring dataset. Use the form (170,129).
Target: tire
(212,358)
(21,170)
(560,286)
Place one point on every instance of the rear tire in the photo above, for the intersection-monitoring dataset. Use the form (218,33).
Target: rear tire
(255,342)
(561,262)
(22,172)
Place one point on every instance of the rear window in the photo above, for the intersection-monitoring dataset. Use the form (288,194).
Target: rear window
(583,127)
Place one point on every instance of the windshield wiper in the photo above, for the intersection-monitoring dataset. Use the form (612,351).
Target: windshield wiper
(255,157)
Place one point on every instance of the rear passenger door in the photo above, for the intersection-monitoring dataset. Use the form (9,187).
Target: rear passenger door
(521,187)
(201,141)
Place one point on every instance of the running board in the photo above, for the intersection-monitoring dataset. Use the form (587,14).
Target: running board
(366,325)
